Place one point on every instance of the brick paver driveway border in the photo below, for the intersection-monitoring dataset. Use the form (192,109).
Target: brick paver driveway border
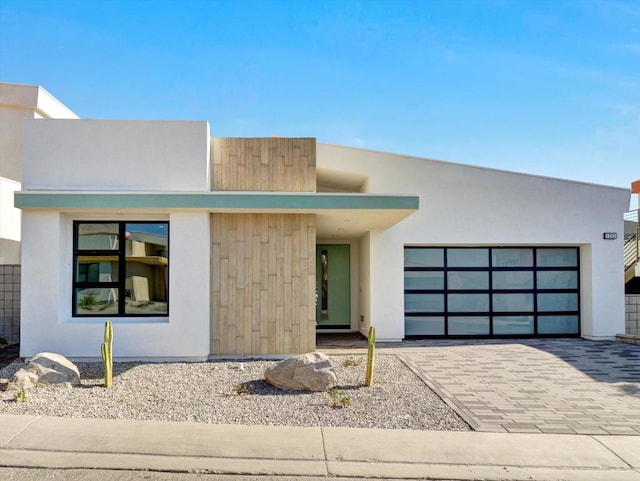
(571,386)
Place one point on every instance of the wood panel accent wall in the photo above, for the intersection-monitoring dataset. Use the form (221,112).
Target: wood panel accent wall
(264,164)
(263,271)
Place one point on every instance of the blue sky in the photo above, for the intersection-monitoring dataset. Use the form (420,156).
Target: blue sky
(549,87)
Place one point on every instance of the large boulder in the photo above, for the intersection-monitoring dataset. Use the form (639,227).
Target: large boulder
(304,372)
(45,369)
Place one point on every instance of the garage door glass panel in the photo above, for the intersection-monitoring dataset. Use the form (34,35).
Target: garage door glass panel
(423,257)
(468,302)
(467,257)
(469,326)
(558,324)
(421,280)
(520,325)
(467,280)
(512,280)
(512,302)
(557,279)
(424,302)
(558,302)
(557,257)
(421,326)
(512,257)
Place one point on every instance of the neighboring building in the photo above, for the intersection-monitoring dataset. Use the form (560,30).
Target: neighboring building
(17,102)
(632,269)
(632,245)
(196,246)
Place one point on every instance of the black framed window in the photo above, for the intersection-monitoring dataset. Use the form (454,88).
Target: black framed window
(492,291)
(120,268)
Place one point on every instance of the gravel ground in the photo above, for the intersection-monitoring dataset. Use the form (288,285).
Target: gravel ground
(215,392)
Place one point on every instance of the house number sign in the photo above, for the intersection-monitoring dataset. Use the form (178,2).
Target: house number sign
(610,235)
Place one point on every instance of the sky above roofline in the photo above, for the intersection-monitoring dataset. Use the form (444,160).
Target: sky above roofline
(544,87)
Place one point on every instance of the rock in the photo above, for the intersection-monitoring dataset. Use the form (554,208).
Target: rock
(304,372)
(45,369)
(22,380)
(54,368)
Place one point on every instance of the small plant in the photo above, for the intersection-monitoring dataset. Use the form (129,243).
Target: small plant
(107,354)
(241,389)
(21,396)
(339,399)
(88,301)
(349,362)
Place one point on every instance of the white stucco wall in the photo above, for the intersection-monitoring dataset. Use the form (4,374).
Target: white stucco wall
(364,290)
(116,155)
(47,324)
(9,223)
(19,102)
(465,205)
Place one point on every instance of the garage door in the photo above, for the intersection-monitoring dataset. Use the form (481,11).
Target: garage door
(491,291)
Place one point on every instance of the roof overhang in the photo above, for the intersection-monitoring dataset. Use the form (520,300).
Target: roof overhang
(338,215)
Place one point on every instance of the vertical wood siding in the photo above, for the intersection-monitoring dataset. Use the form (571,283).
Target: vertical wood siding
(263,283)
(264,164)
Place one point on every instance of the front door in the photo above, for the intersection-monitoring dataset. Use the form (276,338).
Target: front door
(333,282)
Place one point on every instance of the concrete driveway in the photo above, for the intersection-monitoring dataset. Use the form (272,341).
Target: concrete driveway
(562,386)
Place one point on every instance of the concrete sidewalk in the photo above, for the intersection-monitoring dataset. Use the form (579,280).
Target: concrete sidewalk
(31,441)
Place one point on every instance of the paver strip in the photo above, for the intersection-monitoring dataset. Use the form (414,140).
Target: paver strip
(565,386)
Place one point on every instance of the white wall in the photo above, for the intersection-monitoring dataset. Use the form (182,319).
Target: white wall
(465,205)
(9,223)
(364,289)
(19,102)
(47,324)
(116,155)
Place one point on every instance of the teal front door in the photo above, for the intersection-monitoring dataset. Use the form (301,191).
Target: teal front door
(333,282)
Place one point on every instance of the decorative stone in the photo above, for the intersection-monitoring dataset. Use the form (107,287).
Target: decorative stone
(22,380)
(45,369)
(304,372)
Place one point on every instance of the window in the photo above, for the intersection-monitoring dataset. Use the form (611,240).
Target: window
(120,268)
(492,291)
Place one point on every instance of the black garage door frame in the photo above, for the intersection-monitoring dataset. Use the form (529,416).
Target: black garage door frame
(492,291)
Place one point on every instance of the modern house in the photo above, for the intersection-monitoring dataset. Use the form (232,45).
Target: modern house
(198,246)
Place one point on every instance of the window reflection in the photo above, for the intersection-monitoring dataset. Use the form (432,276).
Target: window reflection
(96,301)
(324,294)
(146,279)
(559,256)
(112,277)
(98,237)
(512,257)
